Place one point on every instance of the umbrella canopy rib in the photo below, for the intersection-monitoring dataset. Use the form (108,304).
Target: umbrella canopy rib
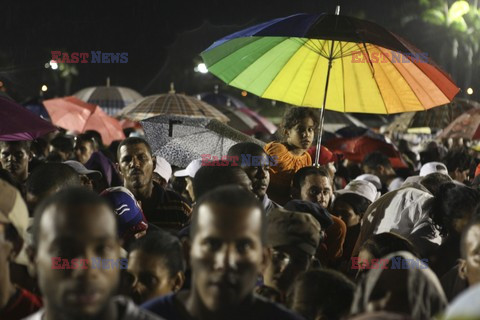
(416,76)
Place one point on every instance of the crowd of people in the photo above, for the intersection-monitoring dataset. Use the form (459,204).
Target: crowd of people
(89,231)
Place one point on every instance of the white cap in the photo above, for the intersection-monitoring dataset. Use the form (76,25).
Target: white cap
(191,169)
(163,168)
(432,167)
(373,179)
(362,188)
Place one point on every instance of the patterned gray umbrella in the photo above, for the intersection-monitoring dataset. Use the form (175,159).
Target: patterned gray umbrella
(111,98)
(181,139)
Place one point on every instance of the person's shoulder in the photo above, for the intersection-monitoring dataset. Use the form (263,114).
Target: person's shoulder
(338,224)
(276,205)
(275,148)
(173,195)
(163,306)
(413,193)
(168,196)
(161,301)
(27,302)
(158,191)
(22,304)
(31,298)
(267,310)
(133,312)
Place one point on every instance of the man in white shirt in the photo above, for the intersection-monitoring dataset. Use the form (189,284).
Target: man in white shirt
(402,212)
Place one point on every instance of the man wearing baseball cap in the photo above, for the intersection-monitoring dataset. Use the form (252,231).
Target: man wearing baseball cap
(15,302)
(189,173)
(162,172)
(350,205)
(432,167)
(88,177)
(293,238)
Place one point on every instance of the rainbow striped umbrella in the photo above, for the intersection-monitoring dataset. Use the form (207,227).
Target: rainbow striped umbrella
(330,62)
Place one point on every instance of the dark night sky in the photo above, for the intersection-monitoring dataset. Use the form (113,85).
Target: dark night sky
(162,37)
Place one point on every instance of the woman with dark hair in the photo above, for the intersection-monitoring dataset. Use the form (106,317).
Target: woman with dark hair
(451,209)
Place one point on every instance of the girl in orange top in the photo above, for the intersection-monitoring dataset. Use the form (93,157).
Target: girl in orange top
(298,128)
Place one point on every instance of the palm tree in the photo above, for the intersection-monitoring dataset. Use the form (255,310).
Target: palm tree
(457,27)
(67,72)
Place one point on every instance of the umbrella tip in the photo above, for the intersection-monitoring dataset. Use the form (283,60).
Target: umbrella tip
(172,88)
(108,81)
(337,10)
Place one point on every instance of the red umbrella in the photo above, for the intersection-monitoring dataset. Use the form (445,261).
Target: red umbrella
(326,156)
(355,149)
(73,114)
(18,123)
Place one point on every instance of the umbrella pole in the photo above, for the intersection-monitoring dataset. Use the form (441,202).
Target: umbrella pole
(322,111)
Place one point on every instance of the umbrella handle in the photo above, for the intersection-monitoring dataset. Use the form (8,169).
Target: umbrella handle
(322,112)
(170,126)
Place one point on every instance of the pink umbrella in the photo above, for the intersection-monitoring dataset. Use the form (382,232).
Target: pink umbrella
(224,100)
(264,124)
(126,123)
(73,114)
(18,123)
